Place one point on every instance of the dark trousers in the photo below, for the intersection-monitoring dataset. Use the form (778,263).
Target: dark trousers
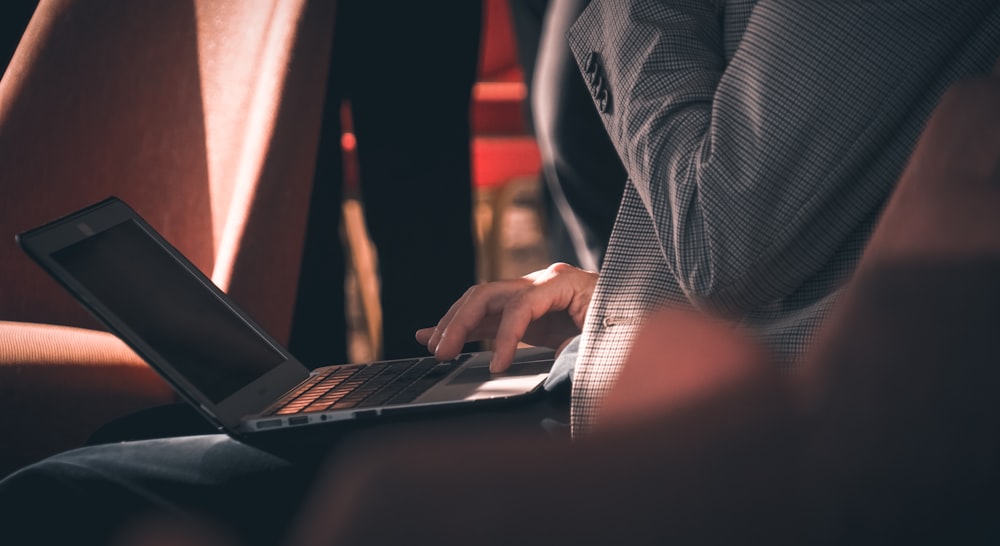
(211,483)
(407,70)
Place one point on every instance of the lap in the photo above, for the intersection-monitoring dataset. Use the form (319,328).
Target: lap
(251,492)
(87,495)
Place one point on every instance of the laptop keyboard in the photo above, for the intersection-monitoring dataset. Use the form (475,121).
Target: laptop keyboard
(365,385)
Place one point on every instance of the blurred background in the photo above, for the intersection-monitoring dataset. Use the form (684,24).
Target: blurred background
(509,215)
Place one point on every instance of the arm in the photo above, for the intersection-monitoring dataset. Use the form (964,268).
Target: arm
(757,168)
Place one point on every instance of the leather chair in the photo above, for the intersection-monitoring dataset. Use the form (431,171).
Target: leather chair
(204,116)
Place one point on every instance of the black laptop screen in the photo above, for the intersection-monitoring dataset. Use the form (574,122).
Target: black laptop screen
(176,315)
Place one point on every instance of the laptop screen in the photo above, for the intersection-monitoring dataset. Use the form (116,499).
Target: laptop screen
(175,314)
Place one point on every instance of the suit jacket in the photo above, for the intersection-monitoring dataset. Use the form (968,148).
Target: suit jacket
(762,139)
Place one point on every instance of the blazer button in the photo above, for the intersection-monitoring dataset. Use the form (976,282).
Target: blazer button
(603,100)
(590,64)
(596,84)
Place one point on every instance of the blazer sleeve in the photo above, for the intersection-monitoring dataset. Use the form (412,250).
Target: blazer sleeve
(756,168)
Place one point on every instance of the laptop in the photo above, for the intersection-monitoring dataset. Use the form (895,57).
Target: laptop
(221,361)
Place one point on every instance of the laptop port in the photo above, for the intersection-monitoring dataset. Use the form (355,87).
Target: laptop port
(269,424)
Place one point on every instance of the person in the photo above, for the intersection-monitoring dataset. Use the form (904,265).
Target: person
(415,174)
(888,436)
(761,141)
(760,151)
(582,177)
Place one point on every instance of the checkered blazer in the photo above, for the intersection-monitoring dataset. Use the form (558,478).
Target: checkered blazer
(762,139)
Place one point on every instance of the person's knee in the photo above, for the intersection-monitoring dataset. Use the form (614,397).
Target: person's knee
(681,359)
(962,138)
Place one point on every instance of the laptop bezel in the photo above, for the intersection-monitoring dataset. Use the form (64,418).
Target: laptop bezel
(41,242)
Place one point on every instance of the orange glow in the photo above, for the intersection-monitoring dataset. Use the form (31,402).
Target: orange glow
(499,91)
(348,143)
(240,102)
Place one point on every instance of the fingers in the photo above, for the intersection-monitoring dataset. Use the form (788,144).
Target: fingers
(423,335)
(554,289)
(517,315)
(469,319)
(505,310)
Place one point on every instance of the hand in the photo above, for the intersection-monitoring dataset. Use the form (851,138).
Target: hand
(545,308)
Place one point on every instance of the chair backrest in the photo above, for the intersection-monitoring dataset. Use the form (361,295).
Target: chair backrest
(203,115)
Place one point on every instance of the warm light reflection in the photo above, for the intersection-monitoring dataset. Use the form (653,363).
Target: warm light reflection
(499,91)
(506,386)
(348,142)
(244,49)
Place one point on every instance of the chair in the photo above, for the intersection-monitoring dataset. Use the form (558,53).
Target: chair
(204,116)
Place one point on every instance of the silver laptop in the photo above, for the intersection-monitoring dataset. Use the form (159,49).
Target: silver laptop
(219,359)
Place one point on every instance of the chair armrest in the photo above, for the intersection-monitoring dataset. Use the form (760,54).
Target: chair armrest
(59,384)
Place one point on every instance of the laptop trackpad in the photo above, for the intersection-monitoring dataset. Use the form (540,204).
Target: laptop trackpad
(479,374)
(477,383)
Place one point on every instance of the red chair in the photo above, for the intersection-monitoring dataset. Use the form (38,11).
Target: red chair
(204,116)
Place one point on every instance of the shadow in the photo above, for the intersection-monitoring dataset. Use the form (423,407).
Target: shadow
(14,17)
